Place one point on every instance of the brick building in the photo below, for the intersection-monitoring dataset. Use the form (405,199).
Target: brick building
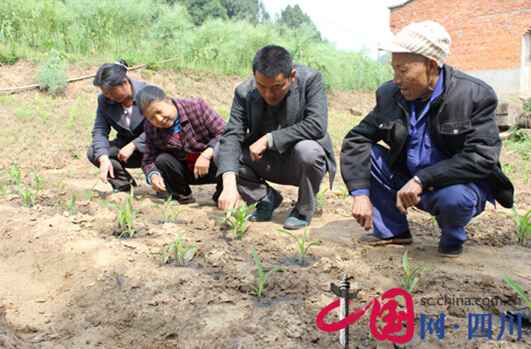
(491,39)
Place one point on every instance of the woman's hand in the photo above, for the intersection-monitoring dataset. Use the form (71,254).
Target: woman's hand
(106,169)
(157,183)
(125,153)
(202,164)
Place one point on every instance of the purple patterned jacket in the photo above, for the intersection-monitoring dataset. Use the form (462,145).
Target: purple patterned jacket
(201,128)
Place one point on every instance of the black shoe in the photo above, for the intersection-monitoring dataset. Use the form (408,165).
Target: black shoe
(163,194)
(124,188)
(401,239)
(449,251)
(266,206)
(183,199)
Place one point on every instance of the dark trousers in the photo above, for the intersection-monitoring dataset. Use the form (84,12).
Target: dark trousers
(453,206)
(304,167)
(178,177)
(122,178)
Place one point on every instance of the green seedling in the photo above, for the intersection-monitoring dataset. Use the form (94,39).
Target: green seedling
(126,215)
(59,185)
(168,206)
(237,223)
(27,195)
(179,250)
(263,278)
(301,243)
(39,182)
(14,174)
(524,227)
(341,192)
(381,324)
(71,205)
(410,281)
(518,290)
(89,194)
(166,256)
(526,173)
(320,198)
(4,187)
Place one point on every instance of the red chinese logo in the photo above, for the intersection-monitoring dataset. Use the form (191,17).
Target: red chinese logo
(393,320)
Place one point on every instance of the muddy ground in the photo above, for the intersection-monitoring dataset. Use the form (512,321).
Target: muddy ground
(68,281)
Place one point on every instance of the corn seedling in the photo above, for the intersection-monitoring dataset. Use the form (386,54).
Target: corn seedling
(263,278)
(71,205)
(126,215)
(341,192)
(89,194)
(166,256)
(381,324)
(301,243)
(518,290)
(526,173)
(524,226)
(173,214)
(39,182)
(410,281)
(320,198)
(4,186)
(237,223)
(180,251)
(27,195)
(59,185)
(14,174)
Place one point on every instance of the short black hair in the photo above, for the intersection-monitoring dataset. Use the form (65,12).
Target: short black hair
(147,95)
(111,75)
(271,60)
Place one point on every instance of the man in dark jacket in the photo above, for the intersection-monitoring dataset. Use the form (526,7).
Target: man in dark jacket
(277,132)
(443,146)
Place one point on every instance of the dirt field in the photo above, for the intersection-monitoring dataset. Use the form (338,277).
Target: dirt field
(67,280)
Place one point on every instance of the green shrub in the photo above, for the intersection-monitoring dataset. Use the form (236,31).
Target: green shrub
(52,76)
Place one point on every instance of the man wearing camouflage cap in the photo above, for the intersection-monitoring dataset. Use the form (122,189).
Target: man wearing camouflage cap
(443,146)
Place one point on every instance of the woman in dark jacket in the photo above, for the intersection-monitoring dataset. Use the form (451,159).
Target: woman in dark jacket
(117,109)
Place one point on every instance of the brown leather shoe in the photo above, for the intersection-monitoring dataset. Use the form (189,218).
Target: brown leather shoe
(401,239)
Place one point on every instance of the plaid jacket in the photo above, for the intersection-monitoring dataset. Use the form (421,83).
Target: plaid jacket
(201,128)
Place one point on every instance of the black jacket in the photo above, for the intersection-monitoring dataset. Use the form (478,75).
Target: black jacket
(462,125)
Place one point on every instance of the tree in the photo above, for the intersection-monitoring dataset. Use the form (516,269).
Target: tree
(249,10)
(201,10)
(294,18)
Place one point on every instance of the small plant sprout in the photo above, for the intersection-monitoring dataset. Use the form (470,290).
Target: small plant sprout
(237,223)
(320,198)
(301,243)
(179,251)
(410,281)
(173,214)
(524,226)
(89,194)
(71,205)
(518,290)
(59,185)
(4,186)
(166,256)
(39,182)
(14,174)
(27,195)
(340,191)
(126,215)
(263,278)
